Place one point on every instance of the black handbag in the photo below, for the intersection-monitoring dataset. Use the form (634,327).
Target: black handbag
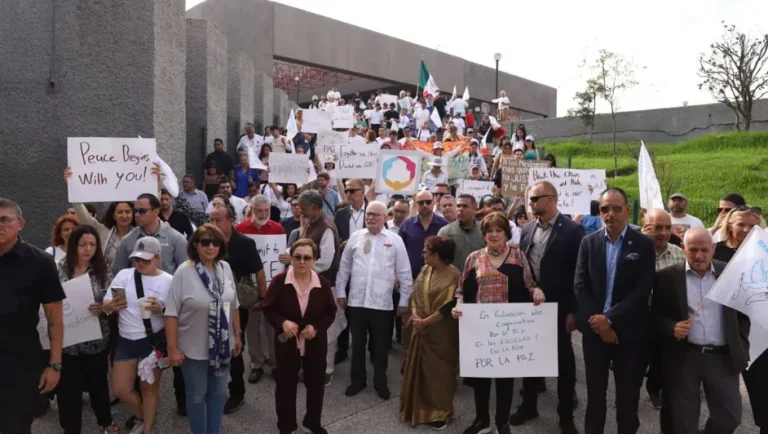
(158,342)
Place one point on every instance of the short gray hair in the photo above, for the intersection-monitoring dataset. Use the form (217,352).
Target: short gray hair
(312,198)
(259,198)
(8,203)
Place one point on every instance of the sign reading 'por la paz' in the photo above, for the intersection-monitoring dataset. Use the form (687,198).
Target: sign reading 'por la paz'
(508,340)
(110,169)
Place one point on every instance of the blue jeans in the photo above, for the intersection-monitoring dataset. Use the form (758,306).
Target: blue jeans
(206,395)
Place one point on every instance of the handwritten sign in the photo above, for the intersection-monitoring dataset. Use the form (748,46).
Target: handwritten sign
(575,188)
(478,189)
(79,325)
(288,168)
(314,121)
(357,161)
(513,340)
(269,248)
(387,99)
(405,103)
(328,141)
(515,174)
(343,116)
(110,169)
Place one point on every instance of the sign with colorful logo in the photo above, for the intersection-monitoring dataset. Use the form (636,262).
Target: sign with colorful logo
(398,172)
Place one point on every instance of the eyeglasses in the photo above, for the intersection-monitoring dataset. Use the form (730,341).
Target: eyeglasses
(424,202)
(535,199)
(302,258)
(351,190)
(374,214)
(142,211)
(5,221)
(206,242)
(608,208)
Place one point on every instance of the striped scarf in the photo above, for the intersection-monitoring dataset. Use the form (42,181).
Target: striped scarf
(219,354)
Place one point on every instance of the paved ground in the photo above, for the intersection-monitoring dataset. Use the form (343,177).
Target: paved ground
(369,414)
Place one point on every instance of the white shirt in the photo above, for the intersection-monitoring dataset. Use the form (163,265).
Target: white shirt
(370,274)
(459,107)
(356,219)
(130,323)
(460,125)
(367,113)
(380,140)
(327,252)
(238,204)
(254,143)
(404,121)
(376,117)
(431,180)
(282,144)
(682,224)
(357,140)
(393,228)
(58,253)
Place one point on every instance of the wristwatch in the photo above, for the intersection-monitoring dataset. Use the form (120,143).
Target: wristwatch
(55,366)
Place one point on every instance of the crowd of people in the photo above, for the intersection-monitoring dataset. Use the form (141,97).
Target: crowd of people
(178,283)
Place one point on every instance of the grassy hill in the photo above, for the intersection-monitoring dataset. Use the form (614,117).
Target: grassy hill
(704,168)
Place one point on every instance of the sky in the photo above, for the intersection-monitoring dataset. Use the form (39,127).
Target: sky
(546,41)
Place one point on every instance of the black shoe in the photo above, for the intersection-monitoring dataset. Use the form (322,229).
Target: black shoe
(439,425)
(233,405)
(478,427)
(318,430)
(655,399)
(327,380)
(522,415)
(503,429)
(568,427)
(255,375)
(383,392)
(340,357)
(354,389)
(181,408)
(131,422)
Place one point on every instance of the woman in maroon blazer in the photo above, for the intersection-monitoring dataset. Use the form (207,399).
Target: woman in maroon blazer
(300,306)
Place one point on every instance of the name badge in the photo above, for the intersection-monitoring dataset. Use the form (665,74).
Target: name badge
(227,310)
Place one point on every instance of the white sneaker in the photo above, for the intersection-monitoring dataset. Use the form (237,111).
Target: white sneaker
(138,428)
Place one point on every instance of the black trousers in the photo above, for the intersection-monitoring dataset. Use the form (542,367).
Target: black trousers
(398,330)
(237,367)
(19,399)
(286,379)
(566,382)
(756,380)
(83,373)
(504,395)
(629,363)
(342,342)
(377,323)
(654,383)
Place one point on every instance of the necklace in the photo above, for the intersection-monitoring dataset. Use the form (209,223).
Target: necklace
(497,253)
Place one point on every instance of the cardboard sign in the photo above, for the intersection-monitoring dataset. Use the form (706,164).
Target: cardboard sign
(398,172)
(357,161)
(328,141)
(575,188)
(343,116)
(478,189)
(79,325)
(288,168)
(387,99)
(515,175)
(314,121)
(269,248)
(511,340)
(110,169)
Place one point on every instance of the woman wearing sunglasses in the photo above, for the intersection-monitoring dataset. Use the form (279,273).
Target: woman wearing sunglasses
(202,324)
(301,307)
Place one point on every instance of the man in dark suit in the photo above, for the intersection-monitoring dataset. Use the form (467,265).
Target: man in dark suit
(704,342)
(551,244)
(614,277)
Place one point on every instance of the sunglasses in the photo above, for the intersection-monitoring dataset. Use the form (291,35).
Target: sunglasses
(424,202)
(206,242)
(439,194)
(302,258)
(142,211)
(615,208)
(535,199)
(351,190)
(742,208)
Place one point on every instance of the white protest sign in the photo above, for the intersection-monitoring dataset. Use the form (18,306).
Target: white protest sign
(405,103)
(328,141)
(512,340)
(79,325)
(288,168)
(169,180)
(314,121)
(575,188)
(357,161)
(343,116)
(387,99)
(269,248)
(478,189)
(110,169)
(253,160)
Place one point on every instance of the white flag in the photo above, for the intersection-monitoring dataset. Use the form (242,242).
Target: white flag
(650,191)
(494,122)
(453,95)
(465,97)
(394,126)
(435,118)
(291,127)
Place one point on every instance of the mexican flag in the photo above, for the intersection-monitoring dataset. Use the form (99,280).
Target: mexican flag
(426,80)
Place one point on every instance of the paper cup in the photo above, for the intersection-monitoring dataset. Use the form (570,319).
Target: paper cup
(145,313)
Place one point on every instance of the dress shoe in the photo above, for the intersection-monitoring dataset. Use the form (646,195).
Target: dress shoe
(568,427)
(383,392)
(317,430)
(522,415)
(340,357)
(354,389)
(655,398)
(255,375)
(232,405)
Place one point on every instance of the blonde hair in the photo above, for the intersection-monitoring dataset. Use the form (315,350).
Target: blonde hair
(726,233)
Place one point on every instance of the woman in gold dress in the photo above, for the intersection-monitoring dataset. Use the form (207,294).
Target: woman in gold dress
(431,363)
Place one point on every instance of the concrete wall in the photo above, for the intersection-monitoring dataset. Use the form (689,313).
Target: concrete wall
(69,69)
(305,37)
(206,98)
(247,25)
(281,109)
(263,99)
(239,96)
(660,126)
(365,86)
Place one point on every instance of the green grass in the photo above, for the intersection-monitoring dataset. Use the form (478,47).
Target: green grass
(704,168)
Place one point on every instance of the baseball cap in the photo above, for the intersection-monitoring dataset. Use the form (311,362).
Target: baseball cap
(330,159)
(146,248)
(679,196)
(530,138)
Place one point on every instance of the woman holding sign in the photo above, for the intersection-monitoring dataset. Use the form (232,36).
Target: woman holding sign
(85,365)
(496,274)
(431,361)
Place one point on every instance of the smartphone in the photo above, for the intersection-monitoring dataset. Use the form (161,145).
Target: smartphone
(118,291)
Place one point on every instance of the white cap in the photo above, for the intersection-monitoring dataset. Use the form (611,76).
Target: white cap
(437,145)
(146,248)
(529,138)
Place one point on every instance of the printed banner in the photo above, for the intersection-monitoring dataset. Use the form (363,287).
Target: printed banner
(514,175)
(343,116)
(288,168)
(79,325)
(269,248)
(575,188)
(110,169)
(512,340)
(398,172)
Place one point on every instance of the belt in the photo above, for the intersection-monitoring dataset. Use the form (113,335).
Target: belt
(709,349)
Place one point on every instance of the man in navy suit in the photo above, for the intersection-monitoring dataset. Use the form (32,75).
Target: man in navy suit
(614,277)
(551,244)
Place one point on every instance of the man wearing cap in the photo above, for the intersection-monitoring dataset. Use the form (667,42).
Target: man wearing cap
(435,175)
(681,221)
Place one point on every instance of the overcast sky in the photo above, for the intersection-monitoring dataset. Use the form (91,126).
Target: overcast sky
(546,41)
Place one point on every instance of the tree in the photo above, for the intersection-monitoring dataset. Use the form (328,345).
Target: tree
(614,75)
(735,72)
(586,105)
